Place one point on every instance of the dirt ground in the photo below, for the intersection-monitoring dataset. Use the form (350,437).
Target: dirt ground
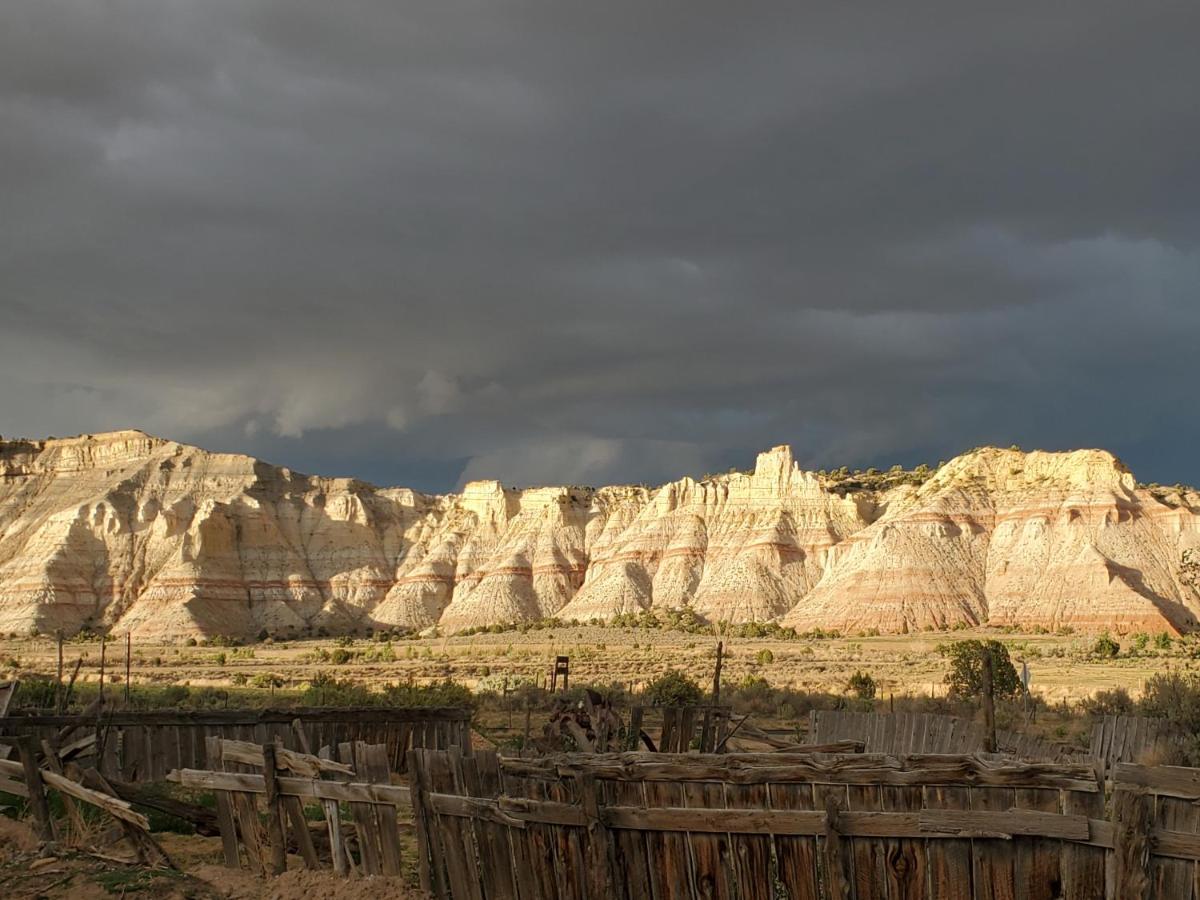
(66,873)
(1060,665)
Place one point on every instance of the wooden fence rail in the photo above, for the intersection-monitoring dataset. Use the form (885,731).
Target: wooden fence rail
(641,825)
(144,746)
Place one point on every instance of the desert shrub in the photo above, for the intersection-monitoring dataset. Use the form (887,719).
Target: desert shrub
(173,695)
(1174,696)
(1141,640)
(752,695)
(1106,647)
(862,685)
(764,657)
(326,690)
(772,630)
(820,634)
(1189,567)
(384,653)
(439,693)
(36,692)
(1162,641)
(340,656)
(965,678)
(1115,702)
(673,689)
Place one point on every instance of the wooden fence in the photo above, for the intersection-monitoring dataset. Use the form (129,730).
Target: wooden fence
(680,727)
(1156,818)
(145,746)
(1136,739)
(645,826)
(922,733)
(367,844)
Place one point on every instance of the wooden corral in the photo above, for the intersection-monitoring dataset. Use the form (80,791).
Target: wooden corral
(923,733)
(645,826)
(144,746)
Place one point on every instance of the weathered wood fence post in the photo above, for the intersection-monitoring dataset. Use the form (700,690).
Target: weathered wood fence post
(1132,817)
(433,879)
(58,684)
(275,833)
(601,848)
(229,844)
(128,648)
(836,871)
(989,703)
(37,789)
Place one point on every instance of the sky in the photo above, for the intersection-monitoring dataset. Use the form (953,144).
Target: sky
(559,242)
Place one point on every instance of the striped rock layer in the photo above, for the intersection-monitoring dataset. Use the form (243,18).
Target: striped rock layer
(166,540)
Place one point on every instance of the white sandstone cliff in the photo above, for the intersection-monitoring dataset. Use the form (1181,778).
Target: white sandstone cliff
(167,540)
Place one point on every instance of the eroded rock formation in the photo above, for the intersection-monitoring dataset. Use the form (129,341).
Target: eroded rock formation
(170,541)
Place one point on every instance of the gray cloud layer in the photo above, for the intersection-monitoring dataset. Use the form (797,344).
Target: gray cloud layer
(592,242)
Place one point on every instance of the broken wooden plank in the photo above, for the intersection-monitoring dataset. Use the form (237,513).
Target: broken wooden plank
(114,806)
(55,765)
(333,821)
(147,849)
(11,786)
(301,764)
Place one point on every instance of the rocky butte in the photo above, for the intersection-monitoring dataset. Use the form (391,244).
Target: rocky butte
(132,532)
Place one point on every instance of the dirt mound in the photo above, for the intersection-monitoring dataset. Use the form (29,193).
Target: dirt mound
(16,839)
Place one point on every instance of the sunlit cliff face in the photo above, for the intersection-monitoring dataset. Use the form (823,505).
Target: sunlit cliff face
(170,541)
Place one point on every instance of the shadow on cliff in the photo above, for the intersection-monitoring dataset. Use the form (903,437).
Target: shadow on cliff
(81,566)
(338,589)
(1176,613)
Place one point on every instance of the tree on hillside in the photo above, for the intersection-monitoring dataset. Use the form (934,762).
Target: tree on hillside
(673,689)
(965,678)
(1189,568)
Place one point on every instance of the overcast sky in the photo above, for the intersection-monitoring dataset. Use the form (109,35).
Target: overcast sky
(420,242)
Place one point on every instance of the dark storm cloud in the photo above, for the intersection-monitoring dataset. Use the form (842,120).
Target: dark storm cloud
(592,242)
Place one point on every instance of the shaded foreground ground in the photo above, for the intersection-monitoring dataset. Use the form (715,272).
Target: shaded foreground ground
(82,876)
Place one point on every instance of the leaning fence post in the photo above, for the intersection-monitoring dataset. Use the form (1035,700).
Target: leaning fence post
(274,812)
(37,789)
(333,820)
(229,842)
(1131,837)
(430,865)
